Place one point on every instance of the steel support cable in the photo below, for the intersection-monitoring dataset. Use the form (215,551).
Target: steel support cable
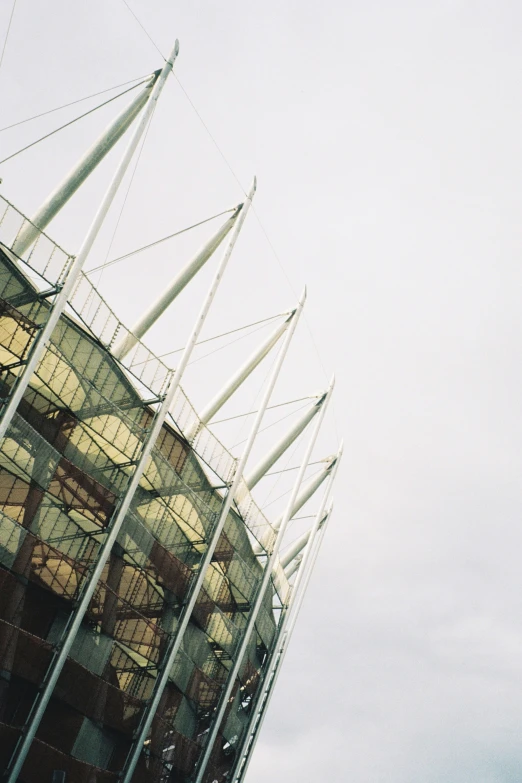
(225,334)
(242,424)
(129,186)
(158,242)
(217,337)
(296,467)
(289,458)
(214,142)
(7,33)
(270,407)
(265,503)
(273,424)
(144,29)
(261,226)
(139,79)
(222,347)
(289,543)
(307,324)
(265,234)
(71,122)
(287,491)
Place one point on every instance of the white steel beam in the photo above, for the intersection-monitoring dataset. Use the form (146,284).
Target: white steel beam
(259,715)
(174,288)
(252,616)
(262,468)
(40,343)
(294,550)
(64,646)
(190,602)
(79,173)
(210,410)
(292,568)
(304,496)
(286,629)
(298,545)
(309,488)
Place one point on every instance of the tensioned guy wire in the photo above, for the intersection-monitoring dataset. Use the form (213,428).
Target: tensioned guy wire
(222,347)
(286,493)
(288,459)
(272,425)
(213,140)
(218,337)
(296,467)
(129,186)
(225,334)
(270,244)
(7,33)
(71,122)
(144,29)
(270,407)
(158,242)
(139,79)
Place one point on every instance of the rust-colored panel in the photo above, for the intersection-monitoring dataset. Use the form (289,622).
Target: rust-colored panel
(171,572)
(224,551)
(202,690)
(172,447)
(79,491)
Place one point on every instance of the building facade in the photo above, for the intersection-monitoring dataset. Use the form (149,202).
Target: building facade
(141,603)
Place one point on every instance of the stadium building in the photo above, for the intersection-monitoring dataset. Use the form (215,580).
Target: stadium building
(146,601)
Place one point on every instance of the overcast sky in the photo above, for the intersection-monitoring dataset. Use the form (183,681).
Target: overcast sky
(386,137)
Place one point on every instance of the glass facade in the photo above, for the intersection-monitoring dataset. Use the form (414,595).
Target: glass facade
(65,463)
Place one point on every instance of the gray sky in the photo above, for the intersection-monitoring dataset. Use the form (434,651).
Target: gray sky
(386,139)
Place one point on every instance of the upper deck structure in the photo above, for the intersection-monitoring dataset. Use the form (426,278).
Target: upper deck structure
(146,601)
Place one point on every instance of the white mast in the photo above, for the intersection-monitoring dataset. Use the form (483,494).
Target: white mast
(79,173)
(308,490)
(286,629)
(283,638)
(217,402)
(255,475)
(190,602)
(294,549)
(298,545)
(304,496)
(176,286)
(71,630)
(252,617)
(39,345)
(292,568)
(64,646)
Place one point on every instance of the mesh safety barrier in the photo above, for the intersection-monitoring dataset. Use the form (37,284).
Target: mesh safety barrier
(65,463)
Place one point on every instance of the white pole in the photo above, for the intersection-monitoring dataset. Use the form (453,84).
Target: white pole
(284,645)
(39,345)
(290,571)
(238,378)
(262,468)
(298,545)
(188,608)
(252,617)
(304,496)
(294,549)
(79,173)
(71,630)
(176,286)
(306,567)
(308,490)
